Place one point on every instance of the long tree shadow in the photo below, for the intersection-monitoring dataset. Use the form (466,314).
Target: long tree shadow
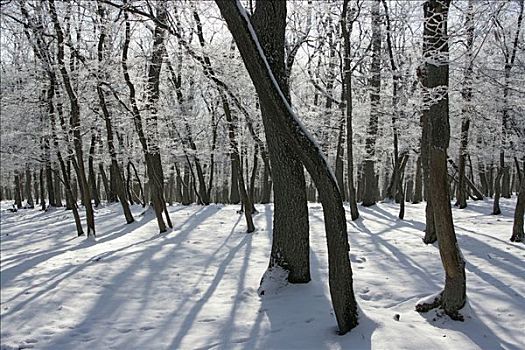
(194,311)
(109,302)
(27,262)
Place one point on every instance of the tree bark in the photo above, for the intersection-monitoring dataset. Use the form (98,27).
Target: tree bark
(519,212)
(290,245)
(347,90)
(75,122)
(436,76)
(369,175)
(29,193)
(271,96)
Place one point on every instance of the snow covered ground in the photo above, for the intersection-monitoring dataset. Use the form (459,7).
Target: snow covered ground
(195,287)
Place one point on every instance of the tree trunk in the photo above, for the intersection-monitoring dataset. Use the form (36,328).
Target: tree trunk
(290,245)
(42,190)
(149,144)
(116,188)
(369,175)
(58,189)
(75,122)
(29,194)
(18,192)
(282,117)
(453,297)
(519,212)
(497,193)
(91,171)
(418,188)
(347,91)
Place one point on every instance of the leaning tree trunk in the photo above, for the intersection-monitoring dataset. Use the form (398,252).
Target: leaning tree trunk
(151,149)
(283,117)
(436,76)
(115,171)
(290,245)
(75,122)
(517,228)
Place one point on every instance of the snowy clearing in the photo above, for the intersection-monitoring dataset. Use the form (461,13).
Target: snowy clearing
(195,287)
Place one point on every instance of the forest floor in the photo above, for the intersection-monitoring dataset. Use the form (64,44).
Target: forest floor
(195,287)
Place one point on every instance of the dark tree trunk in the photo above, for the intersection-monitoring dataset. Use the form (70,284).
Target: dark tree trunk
(435,43)
(430,229)
(18,192)
(418,188)
(290,245)
(91,171)
(150,147)
(49,183)
(497,193)
(116,188)
(347,92)
(42,190)
(75,122)
(58,189)
(369,175)
(29,193)
(466,93)
(282,117)
(519,212)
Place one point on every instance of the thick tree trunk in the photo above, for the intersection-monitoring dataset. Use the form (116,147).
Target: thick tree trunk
(272,98)
(453,297)
(290,245)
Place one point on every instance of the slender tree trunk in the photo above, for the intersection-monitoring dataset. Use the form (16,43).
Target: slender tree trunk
(347,89)
(117,188)
(519,212)
(369,176)
(418,188)
(75,122)
(29,193)
(150,145)
(18,192)
(42,190)
(91,171)
(497,193)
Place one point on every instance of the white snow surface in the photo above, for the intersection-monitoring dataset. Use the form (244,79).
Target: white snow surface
(195,287)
